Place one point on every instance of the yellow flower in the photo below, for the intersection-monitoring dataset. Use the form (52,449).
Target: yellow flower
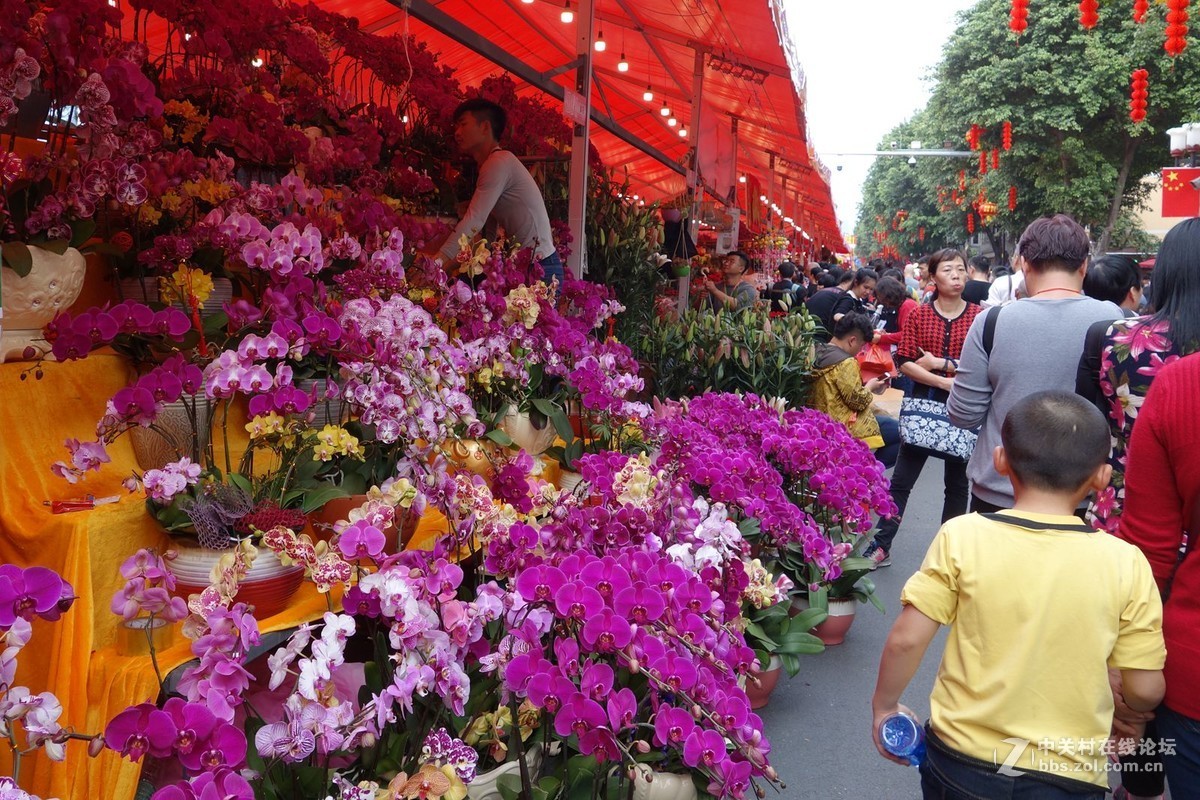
(148,214)
(171,202)
(264,425)
(187,286)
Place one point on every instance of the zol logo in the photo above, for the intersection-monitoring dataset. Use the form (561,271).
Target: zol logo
(1006,767)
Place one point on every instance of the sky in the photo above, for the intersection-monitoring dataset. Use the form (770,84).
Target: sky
(867,65)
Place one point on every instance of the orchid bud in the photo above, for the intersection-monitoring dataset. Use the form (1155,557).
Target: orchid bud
(29,353)
(771,773)
(642,746)
(368,741)
(697,712)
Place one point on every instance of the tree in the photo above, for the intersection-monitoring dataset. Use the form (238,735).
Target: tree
(1066,91)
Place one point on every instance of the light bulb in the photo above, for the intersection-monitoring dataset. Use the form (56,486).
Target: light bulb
(672,121)
(256,61)
(666,112)
(742,179)
(527,2)
(682,133)
(648,95)
(600,43)
(567,14)
(622,65)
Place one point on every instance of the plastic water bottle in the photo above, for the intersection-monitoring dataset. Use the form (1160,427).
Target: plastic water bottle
(903,737)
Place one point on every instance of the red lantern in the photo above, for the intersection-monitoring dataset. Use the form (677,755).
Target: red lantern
(1177,29)
(921,234)
(970,222)
(995,158)
(1138,94)
(1140,8)
(1006,135)
(983,162)
(1012,198)
(1018,17)
(962,180)
(1088,16)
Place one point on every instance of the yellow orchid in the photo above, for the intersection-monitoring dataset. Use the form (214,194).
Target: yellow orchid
(187,285)
(265,425)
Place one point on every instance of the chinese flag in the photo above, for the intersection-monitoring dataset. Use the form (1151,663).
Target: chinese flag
(1179,198)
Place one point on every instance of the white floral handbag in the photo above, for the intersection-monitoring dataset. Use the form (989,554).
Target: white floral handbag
(925,423)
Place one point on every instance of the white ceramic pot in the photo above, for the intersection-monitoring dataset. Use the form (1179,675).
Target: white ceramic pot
(527,436)
(484,786)
(651,785)
(172,435)
(146,291)
(569,480)
(51,286)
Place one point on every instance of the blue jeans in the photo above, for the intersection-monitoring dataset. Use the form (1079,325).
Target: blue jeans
(1183,768)
(552,267)
(946,778)
(889,428)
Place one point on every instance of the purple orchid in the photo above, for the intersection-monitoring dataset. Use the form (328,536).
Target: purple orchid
(361,540)
(222,785)
(704,747)
(140,730)
(32,592)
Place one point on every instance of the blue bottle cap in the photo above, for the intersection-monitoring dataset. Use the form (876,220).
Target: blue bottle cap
(902,736)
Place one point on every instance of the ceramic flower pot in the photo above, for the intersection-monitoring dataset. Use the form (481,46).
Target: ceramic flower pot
(29,303)
(472,455)
(841,616)
(268,585)
(526,435)
(760,693)
(569,480)
(172,434)
(651,785)
(484,786)
(338,509)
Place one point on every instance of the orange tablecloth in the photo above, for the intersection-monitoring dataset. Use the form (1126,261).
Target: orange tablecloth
(77,657)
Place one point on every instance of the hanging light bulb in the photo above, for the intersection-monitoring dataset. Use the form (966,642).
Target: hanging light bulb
(648,95)
(600,45)
(527,2)
(622,65)
(742,179)
(567,15)
(683,133)
(666,112)
(256,61)
(672,121)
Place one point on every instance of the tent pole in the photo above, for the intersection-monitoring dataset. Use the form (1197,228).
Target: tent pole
(694,180)
(585,19)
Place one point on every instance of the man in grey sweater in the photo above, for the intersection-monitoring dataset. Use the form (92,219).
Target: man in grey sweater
(1036,344)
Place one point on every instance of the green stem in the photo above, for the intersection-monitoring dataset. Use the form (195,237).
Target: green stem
(154,653)
(225,435)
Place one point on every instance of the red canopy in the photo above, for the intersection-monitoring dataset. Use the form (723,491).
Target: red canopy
(752,75)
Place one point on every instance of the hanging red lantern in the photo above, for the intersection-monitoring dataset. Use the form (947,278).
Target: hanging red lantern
(1140,8)
(1012,198)
(1088,13)
(983,161)
(1138,94)
(1018,17)
(1006,135)
(962,180)
(970,222)
(995,158)
(1177,29)
(921,234)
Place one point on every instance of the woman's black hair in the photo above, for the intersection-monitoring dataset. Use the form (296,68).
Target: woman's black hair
(890,291)
(1175,287)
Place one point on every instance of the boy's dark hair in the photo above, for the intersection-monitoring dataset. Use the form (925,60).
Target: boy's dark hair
(1055,440)
(745,259)
(1055,243)
(845,277)
(829,278)
(980,264)
(484,111)
(787,270)
(1110,277)
(854,323)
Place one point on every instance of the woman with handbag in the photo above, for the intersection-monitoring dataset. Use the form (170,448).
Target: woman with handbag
(930,345)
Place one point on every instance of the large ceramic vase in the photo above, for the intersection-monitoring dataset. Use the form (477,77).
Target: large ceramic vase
(268,585)
(760,693)
(172,434)
(526,435)
(484,787)
(651,785)
(338,510)
(841,616)
(52,285)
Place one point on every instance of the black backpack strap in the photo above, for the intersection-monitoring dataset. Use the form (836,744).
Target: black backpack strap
(989,330)
(1036,525)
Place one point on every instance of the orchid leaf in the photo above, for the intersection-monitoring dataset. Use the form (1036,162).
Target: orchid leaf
(17,258)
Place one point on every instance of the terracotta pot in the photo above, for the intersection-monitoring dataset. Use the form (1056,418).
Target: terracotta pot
(30,302)
(768,679)
(484,786)
(268,586)
(526,435)
(841,616)
(174,436)
(651,785)
(338,509)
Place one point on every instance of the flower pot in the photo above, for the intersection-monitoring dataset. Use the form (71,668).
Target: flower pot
(145,290)
(134,640)
(268,585)
(484,786)
(651,785)
(338,510)
(841,616)
(569,480)
(681,270)
(172,435)
(325,411)
(768,679)
(526,435)
(472,455)
(29,303)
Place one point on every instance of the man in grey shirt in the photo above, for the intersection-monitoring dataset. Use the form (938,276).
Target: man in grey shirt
(505,191)
(1036,344)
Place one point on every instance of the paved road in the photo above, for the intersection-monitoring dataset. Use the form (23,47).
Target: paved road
(819,722)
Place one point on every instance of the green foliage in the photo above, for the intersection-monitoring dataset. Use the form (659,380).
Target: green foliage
(1066,91)
(772,631)
(740,351)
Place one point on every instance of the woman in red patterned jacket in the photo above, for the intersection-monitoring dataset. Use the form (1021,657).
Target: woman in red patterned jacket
(930,345)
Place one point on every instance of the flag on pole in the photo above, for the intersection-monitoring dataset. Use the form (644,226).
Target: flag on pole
(1179,197)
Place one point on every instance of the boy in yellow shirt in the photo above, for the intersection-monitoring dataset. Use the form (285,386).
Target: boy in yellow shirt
(1040,607)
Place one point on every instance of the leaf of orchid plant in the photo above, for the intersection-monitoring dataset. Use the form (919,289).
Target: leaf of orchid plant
(315,498)
(500,437)
(56,246)
(81,231)
(16,256)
